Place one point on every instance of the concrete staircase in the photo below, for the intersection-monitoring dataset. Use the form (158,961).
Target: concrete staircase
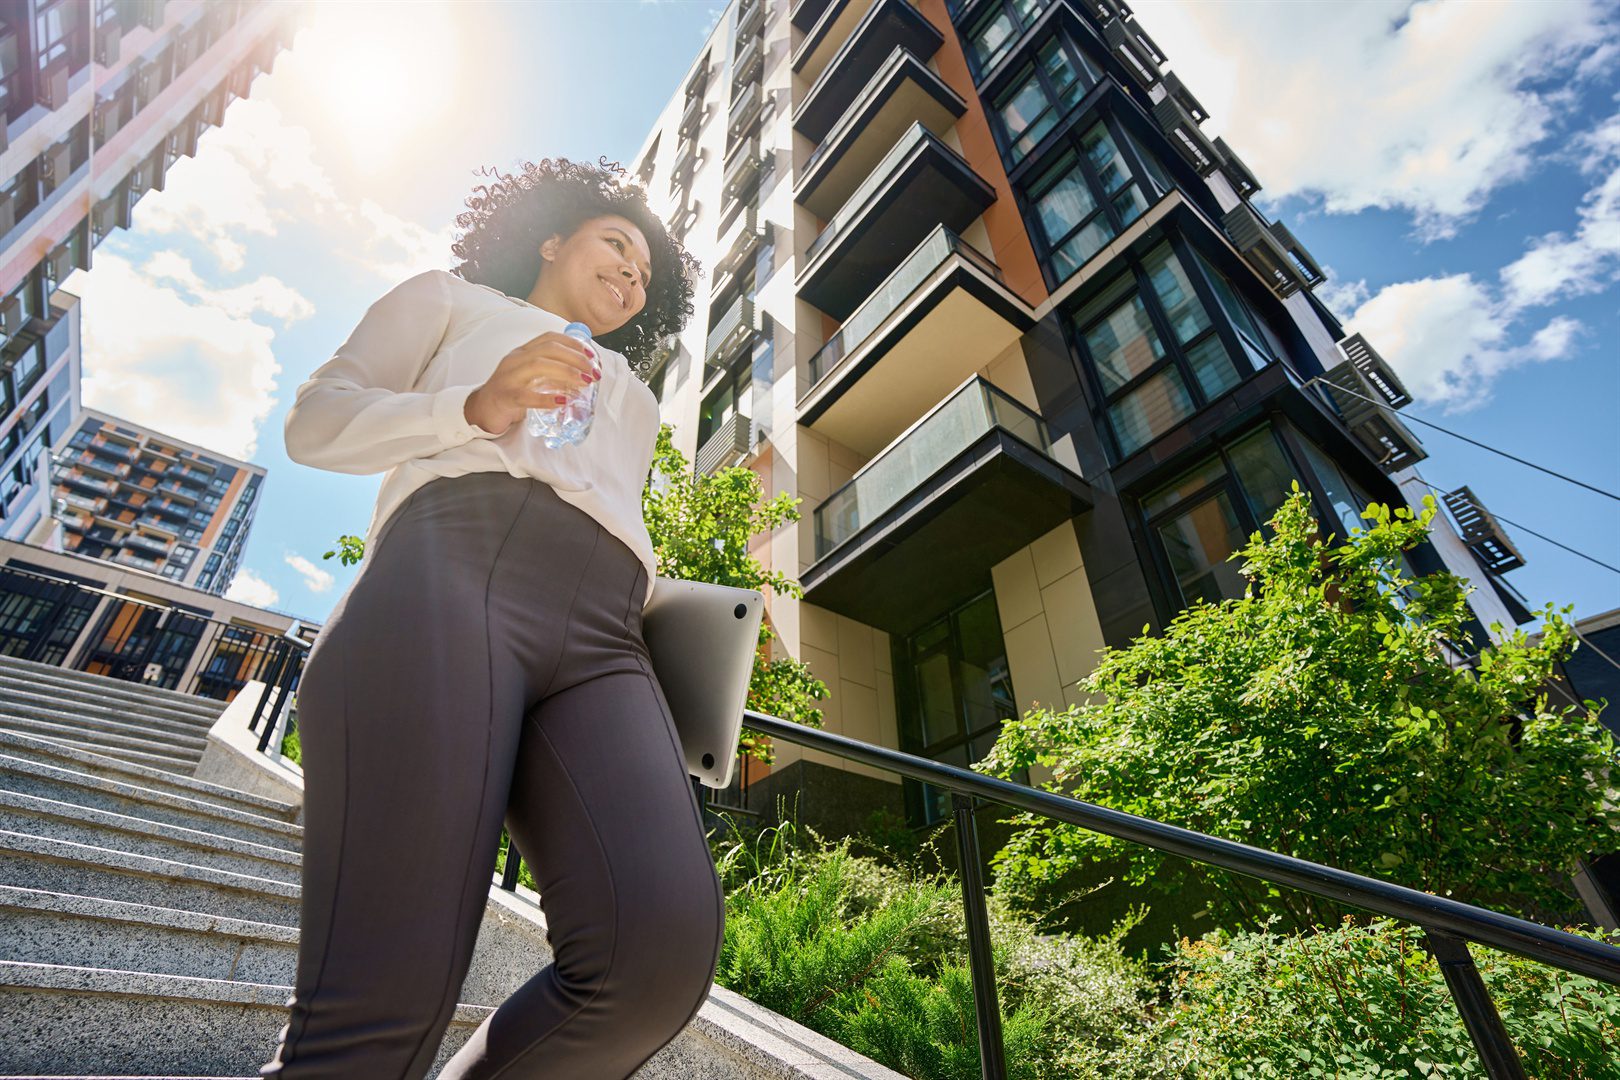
(149,919)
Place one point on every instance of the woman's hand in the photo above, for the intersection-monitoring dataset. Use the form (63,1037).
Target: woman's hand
(541,373)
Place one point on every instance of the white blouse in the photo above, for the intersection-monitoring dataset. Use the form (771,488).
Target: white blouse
(392,398)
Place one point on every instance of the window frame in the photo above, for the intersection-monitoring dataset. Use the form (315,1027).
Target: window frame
(1021,21)
(1088,75)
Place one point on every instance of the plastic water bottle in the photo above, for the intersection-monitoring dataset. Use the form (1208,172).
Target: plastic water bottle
(568,423)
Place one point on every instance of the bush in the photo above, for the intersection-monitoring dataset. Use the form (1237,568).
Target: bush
(875,957)
(1369,1001)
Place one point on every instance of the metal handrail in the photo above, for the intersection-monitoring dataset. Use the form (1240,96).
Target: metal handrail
(1448,924)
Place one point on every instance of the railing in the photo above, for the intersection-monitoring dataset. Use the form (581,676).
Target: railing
(1449,925)
(896,289)
(739,316)
(972,410)
(914,135)
(70,624)
(291,652)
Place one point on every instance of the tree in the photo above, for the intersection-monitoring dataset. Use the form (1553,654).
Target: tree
(700,526)
(1322,714)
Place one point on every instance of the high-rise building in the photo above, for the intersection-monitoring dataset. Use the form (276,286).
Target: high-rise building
(142,499)
(981,292)
(99,97)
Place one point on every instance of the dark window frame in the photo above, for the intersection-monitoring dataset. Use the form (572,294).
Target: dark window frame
(979,67)
(1088,76)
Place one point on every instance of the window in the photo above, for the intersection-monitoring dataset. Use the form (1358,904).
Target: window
(1199,519)
(953,692)
(26,369)
(57,30)
(1153,349)
(1041,96)
(993,35)
(1247,325)
(728,398)
(1085,199)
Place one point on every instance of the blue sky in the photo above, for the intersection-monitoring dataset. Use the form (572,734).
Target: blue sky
(1465,202)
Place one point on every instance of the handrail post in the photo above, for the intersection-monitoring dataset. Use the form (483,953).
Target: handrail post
(992,1053)
(1473,1001)
(514,862)
(289,660)
(264,695)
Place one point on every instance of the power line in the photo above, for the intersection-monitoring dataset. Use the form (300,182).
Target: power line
(1337,389)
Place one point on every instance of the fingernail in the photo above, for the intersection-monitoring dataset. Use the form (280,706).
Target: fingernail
(561,400)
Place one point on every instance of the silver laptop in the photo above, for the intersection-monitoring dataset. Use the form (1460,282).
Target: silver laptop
(702,638)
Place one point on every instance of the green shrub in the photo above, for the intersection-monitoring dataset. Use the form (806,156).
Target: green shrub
(1369,1001)
(874,956)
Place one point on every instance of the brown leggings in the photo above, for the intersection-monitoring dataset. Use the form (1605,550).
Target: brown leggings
(487,666)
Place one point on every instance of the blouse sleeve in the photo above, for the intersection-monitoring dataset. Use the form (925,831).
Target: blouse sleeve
(356,413)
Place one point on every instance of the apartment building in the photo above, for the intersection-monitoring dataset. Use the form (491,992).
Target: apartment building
(982,293)
(100,98)
(139,498)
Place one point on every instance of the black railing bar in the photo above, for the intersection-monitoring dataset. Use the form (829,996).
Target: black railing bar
(1505,932)
(1473,1001)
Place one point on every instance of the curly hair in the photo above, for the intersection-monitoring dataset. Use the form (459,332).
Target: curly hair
(509,219)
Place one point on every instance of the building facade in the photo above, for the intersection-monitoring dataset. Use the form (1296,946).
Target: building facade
(142,499)
(979,290)
(100,98)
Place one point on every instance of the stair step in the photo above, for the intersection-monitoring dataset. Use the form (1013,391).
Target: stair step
(32,669)
(54,819)
(74,1020)
(182,768)
(15,746)
(36,862)
(205,712)
(130,731)
(43,703)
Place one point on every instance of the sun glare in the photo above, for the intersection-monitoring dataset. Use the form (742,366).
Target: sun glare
(382,79)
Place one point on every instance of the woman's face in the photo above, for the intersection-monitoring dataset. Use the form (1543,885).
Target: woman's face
(597,276)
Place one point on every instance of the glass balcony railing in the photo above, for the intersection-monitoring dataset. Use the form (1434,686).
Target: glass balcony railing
(973,410)
(914,135)
(941,244)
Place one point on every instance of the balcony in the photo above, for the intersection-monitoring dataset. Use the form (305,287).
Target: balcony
(941,316)
(92,506)
(822,41)
(750,18)
(738,243)
(745,109)
(691,118)
(805,13)
(1237,174)
(1281,261)
(1142,58)
(742,167)
(1365,392)
(748,64)
(1178,115)
(731,444)
(1481,533)
(918,528)
(171,488)
(902,92)
(127,558)
(138,543)
(735,328)
(920,184)
(887,26)
(158,525)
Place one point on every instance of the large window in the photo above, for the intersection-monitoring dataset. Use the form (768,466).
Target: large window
(61,35)
(1084,200)
(953,692)
(1041,95)
(992,36)
(1155,349)
(1199,519)
(730,396)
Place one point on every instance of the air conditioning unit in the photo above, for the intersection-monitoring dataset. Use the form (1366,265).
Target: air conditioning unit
(107,41)
(53,87)
(59,264)
(8,212)
(150,13)
(11,316)
(240,81)
(56,164)
(185,138)
(213,108)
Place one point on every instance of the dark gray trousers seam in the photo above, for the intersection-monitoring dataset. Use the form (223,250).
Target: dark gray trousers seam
(613,891)
(568,619)
(483,787)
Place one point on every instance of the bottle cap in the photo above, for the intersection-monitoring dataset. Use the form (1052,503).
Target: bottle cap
(578,330)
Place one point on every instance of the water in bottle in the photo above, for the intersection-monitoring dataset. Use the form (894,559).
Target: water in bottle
(568,423)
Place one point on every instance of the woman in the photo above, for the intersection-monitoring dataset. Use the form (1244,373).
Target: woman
(487,664)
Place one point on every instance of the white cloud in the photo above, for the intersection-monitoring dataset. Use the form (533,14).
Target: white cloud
(315,579)
(249,588)
(257,173)
(1559,265)
(1427,106)
(196,367)
(1449,338)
